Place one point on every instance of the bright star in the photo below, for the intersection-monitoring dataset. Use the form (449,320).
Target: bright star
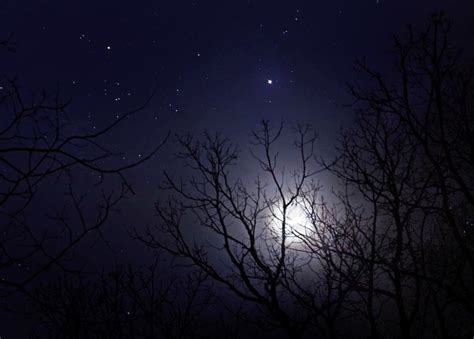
(269,81)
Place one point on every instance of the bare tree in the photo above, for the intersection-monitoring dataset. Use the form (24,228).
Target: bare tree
(124,303)
(243,234)
(393,246)
(40,148)
(409,160)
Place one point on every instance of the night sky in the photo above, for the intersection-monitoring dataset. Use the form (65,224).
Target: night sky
(212,65)
(215,65)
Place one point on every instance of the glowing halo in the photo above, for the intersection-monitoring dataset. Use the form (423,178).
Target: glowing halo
(297,222)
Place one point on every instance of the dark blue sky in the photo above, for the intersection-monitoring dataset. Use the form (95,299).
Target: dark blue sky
(210,62)
(216,65)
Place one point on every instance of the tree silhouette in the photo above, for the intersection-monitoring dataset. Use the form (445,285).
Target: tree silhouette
(387,253)
(124,303)
(409,158)
(394,245)
(248,241)
(40,148)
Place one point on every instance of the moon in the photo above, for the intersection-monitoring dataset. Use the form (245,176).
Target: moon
(296,222)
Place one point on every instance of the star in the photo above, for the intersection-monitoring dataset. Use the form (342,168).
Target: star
(269,81)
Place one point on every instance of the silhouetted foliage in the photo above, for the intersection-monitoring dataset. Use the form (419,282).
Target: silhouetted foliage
(124,303)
